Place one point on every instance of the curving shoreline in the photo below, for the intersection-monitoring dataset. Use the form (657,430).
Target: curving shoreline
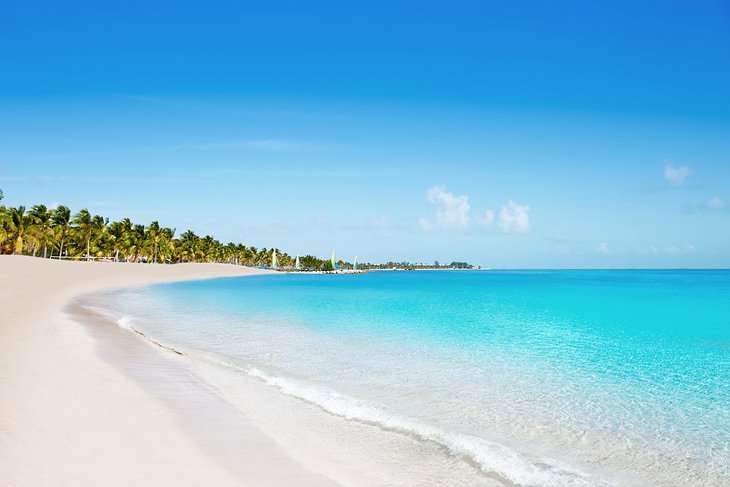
(70,417)
(84,401)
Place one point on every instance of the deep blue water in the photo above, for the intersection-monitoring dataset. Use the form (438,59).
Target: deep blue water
(540,377)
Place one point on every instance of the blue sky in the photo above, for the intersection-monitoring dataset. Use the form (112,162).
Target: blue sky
(508,134)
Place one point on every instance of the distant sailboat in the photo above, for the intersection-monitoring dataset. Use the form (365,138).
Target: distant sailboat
(274,263)
(332,260)
(296,263)
(354,264)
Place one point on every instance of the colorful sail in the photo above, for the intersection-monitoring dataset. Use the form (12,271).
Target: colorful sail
(354,264)
(332,260)
(274,263)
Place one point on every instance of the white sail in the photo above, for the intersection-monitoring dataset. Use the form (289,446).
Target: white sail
(274,263)
(296,263)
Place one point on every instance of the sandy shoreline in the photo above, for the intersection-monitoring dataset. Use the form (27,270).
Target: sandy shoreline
(85,402)
(72,412)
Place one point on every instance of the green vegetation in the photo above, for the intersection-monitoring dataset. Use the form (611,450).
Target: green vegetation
(58,234)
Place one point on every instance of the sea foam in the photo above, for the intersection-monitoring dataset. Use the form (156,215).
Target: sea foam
(541,378)
(491,457)
(125,322)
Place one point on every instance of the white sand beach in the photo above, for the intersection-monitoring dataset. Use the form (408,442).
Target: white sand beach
(70,417)
(84,401)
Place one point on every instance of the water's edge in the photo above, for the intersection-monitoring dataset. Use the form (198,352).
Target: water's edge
(203,413)
(562,378)
(489,460)
(214,407)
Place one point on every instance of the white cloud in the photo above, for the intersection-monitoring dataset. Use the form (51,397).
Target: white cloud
(514,218)
(716,203)
(676,175)
(379,222)
(602,248)
(263,144)
(674,249)
(452,212)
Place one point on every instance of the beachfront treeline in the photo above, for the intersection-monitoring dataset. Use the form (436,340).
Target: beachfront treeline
(58,233)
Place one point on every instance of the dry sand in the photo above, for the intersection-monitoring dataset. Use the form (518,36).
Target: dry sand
(71,415)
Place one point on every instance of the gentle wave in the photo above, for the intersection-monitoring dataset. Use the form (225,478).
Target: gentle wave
(125,322)
(613,377)
(491,457)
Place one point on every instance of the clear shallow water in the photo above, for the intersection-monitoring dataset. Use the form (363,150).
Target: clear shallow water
(536,377)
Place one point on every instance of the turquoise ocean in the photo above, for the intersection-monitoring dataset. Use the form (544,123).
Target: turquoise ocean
(531,377)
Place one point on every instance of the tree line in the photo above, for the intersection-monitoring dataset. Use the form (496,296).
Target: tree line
(58,233)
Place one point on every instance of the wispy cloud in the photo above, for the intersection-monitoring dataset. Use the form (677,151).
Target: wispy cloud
(716,203)
(261,144)
(514,218)
(602,248)
(676,175)
(673,249)
(713,204)
(273,144)
(380,222)
(452,211)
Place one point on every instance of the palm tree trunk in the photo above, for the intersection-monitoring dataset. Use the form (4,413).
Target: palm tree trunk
(45,251)
(155,259)
(88,250)
(60,251)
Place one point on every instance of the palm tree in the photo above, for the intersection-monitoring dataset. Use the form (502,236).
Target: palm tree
(4,223)
(88,227)
(154,235)
(126,227)
(135,242)
(188,246)
(166,247)
(99,223)
(84,229)
(263,257)
(42,223)
(209,248)
(91,235)
(61,219)
(19,227)
(115,230)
